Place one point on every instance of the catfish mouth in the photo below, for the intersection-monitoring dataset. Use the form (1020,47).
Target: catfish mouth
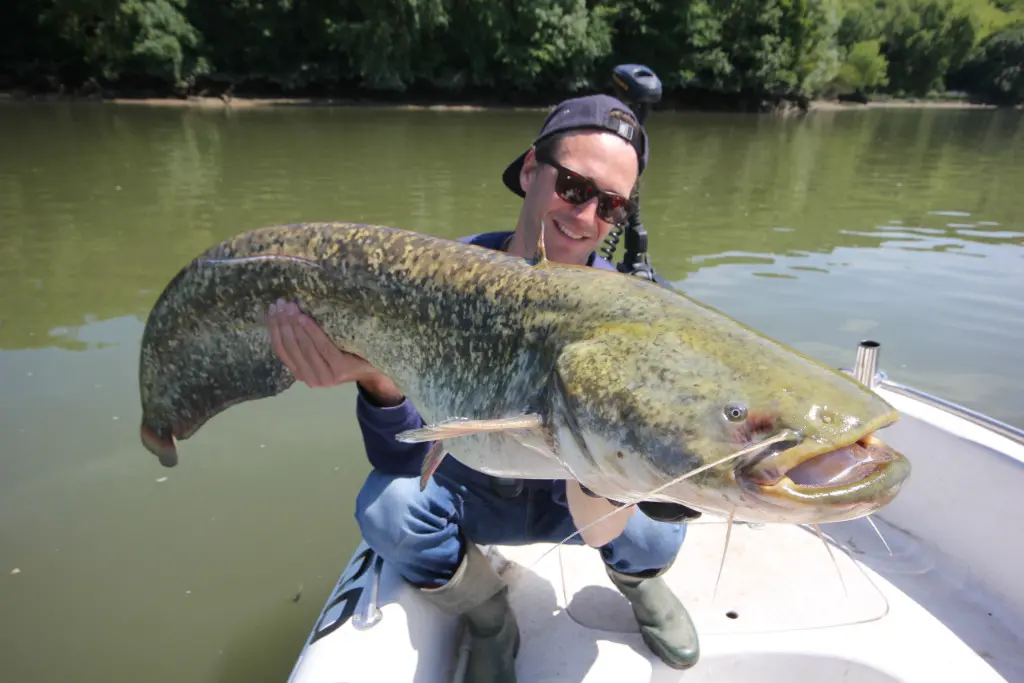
(865,470)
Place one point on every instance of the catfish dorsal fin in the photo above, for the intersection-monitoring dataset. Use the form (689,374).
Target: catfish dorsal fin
(540,258)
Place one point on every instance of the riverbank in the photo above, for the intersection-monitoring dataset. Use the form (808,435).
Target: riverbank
(249,102)
(952,103)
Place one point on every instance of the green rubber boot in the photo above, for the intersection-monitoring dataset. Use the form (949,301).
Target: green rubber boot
(480,596)
(665,624)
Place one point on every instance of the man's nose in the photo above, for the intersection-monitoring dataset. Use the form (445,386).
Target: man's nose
(587,211)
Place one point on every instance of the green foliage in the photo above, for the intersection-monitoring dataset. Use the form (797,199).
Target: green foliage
(526,46)
(142,38)
(821,58)
(389,43)
(862,20)
(997,69)
(864,69)
(500,49)
(553,43)
(781,47)
(275,44)
(924,39)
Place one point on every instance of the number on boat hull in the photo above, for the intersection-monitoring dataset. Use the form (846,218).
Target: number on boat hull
(350,598)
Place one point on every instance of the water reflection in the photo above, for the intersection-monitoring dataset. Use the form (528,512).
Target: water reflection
(905,226)
(103,204)
(718,185)
(948,311)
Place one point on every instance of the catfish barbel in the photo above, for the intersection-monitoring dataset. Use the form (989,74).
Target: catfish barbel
(528,369)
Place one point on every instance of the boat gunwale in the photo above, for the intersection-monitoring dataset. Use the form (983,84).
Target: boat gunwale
(1007,431)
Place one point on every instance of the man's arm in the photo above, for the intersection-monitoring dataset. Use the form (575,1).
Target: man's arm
(381,409)
(381,417)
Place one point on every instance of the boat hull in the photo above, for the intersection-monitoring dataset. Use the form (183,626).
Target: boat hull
(388,635)
(918,611)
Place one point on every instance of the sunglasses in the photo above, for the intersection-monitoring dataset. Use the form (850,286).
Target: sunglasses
(577,189)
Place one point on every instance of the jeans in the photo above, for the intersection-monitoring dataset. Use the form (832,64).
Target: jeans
(421,533)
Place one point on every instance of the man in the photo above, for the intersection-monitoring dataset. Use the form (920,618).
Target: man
(576,178)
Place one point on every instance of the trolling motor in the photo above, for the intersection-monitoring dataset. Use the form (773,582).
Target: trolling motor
(639,87)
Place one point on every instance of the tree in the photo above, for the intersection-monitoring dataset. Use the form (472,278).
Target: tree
(864,69)
(141,39)
(925,39)
(995,74)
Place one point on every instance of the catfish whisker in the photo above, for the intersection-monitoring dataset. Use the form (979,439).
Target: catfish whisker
(782,436)
(721,566)
(828,547)
(880,536)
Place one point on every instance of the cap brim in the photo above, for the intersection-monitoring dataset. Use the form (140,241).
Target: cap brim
(511,175)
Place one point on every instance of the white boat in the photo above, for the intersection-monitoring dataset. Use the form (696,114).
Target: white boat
(941,599)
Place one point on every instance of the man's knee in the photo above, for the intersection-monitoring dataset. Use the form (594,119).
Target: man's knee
(393,513)
(381,506)
(416,531)
(665,542)
(645,545)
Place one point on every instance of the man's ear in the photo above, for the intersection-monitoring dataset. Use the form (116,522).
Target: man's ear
(528,171)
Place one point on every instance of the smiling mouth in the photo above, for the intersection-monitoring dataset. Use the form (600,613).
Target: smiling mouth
(565,231)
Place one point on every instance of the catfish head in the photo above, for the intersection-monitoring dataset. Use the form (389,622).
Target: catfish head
(638,407)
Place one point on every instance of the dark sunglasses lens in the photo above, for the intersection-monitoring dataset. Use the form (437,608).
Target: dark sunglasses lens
(613,209)
(574,188)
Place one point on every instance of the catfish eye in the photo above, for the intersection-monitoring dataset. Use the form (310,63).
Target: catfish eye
(736,412)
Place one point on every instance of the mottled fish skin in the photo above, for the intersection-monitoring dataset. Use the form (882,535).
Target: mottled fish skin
(654,398)
(633,380)
(464,331)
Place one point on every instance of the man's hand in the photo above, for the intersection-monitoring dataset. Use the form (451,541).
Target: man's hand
(314,359)
(658,511)
(586,508)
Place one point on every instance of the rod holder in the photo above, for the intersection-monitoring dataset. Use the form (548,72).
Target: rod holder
(865,367)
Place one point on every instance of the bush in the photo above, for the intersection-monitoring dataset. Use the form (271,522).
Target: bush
(864,69)
(730,52)
(995,74)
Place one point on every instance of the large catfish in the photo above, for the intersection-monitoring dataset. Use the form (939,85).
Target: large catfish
(529,369)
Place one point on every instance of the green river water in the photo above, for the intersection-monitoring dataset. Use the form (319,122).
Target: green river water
(902,225)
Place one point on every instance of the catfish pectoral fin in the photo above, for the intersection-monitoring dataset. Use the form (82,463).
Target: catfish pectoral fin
(430,463)
(450,429)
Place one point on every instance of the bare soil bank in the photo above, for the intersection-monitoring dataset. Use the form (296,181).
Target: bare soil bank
(258,102)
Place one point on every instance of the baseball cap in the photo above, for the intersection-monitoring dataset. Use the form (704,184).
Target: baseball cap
(581,113)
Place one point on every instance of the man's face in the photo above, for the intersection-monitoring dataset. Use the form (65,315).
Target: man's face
(572,232)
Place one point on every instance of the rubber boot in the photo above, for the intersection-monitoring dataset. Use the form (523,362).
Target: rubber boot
(665,625)
(480,596)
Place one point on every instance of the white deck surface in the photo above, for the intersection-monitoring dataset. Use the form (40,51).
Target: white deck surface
(793,620)
(943,602)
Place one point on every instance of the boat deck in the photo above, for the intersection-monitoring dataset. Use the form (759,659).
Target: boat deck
(772,618)
(938,600)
